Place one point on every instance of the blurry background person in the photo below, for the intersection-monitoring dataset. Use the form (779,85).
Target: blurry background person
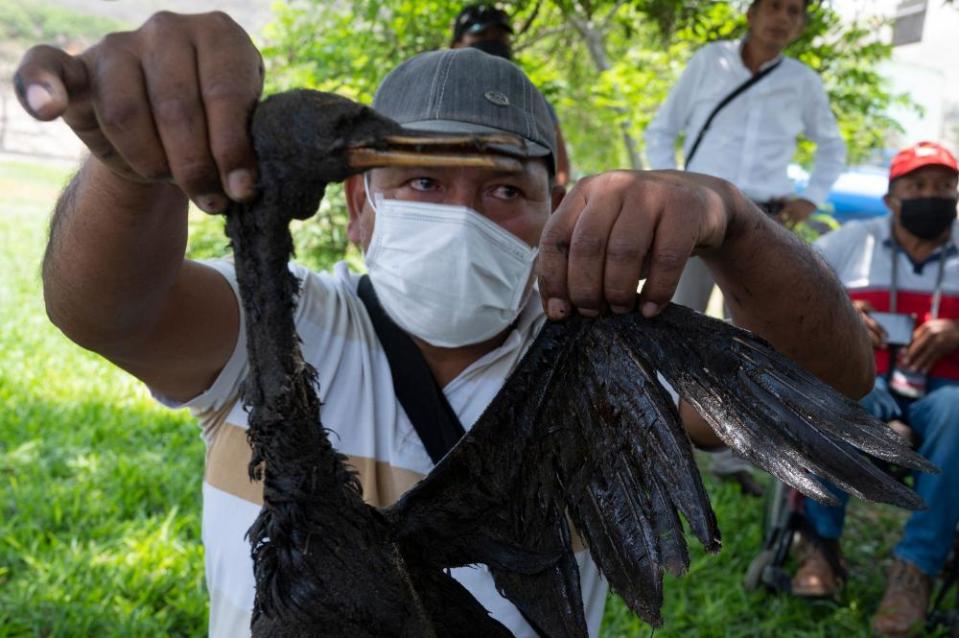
(909,267)
(488,29)
(750,140)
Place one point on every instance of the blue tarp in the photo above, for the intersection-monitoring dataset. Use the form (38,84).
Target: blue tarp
(857,194)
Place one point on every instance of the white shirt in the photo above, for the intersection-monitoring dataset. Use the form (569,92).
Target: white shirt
(366,423)
(753,138)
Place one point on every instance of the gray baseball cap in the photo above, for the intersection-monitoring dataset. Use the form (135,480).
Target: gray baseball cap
(468,91)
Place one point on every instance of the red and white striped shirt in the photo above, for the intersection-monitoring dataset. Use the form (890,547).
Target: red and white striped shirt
(862,253)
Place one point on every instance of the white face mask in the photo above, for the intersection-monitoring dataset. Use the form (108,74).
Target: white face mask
(447,274)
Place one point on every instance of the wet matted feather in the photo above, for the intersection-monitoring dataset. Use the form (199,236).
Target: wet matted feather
(581,431)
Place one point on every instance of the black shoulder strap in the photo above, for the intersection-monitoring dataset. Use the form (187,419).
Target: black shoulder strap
(421,397)
(430,413)
(722,104)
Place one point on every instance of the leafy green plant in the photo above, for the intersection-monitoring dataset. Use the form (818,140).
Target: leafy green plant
(99,485)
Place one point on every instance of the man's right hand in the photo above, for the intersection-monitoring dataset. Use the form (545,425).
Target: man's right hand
(169,101)
(876,332)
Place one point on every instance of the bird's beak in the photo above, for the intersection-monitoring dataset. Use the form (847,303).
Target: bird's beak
(483,151)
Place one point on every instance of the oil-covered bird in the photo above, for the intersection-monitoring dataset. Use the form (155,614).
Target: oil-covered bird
(582,436)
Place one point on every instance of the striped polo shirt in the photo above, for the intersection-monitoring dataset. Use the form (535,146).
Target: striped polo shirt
(366,423)
(861,254)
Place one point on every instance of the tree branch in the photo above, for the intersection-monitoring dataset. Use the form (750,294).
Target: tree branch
(531,19)
(539,37)
(595,44)
(612,14)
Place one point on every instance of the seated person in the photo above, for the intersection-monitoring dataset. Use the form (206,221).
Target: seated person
(908,264)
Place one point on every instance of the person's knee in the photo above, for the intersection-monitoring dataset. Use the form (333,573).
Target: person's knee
(948,396)
(942,402)
(936,415)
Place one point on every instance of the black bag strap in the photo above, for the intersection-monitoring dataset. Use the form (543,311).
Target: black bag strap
(417,390)
(726,100)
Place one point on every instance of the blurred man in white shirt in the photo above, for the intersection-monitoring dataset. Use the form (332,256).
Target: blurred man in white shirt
(751,139)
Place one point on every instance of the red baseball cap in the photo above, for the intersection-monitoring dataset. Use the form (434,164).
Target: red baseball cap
(919,155)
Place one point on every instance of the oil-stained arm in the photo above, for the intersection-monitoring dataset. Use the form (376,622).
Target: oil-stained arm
(116,282)
(164,112)
(782,290)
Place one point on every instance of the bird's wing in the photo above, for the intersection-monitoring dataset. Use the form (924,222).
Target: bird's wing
(583,427)
(629,472)
(773,412)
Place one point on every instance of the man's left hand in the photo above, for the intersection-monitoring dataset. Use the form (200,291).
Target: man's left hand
(795,211)
(930,342)
(616,228)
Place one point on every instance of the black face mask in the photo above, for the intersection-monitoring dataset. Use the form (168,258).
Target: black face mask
(494,47)
(927,217)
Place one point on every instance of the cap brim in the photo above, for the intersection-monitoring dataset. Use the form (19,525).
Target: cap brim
(922,163)
(531,149)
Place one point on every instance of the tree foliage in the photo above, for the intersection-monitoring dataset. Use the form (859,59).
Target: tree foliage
(606,65)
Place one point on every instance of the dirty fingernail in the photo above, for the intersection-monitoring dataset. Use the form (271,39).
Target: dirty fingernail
(588,312)
(240,184)
(38,97)
(650,309)
(621,310)
(211,203)
(557,308)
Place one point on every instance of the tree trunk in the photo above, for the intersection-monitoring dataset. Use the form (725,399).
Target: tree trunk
(594,39)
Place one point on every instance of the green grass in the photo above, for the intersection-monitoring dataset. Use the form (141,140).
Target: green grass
(40,21)
(99,487)
(100,490)
(709,601)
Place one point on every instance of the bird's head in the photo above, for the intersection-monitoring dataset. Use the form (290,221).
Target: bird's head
(306,139)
